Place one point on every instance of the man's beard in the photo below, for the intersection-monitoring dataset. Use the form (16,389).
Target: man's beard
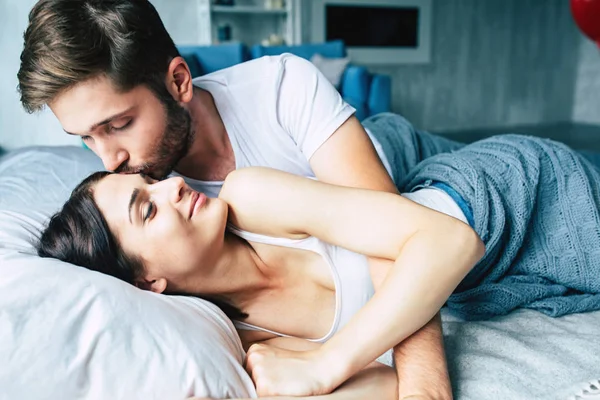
(174,144)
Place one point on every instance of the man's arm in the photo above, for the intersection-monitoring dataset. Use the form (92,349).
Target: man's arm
(421,364)
(376,381)
(370,383)
(348,158)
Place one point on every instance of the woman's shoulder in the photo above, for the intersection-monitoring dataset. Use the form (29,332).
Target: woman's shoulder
(251,178)
(254,206)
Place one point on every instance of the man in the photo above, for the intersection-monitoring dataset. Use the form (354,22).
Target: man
(111,74)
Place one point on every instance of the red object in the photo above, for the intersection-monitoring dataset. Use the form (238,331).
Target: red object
(587,16)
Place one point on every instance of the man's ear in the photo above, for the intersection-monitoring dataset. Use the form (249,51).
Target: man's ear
(154,285)
(179,80)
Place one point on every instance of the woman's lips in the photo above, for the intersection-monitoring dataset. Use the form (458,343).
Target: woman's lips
(198,200)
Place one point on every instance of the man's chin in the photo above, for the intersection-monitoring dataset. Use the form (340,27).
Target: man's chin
(159,173)
(155,174)
(152,170)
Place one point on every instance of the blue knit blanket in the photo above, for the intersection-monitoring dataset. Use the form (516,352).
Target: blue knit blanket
(535,205)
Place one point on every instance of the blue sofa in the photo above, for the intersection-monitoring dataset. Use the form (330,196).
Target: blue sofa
(369,93)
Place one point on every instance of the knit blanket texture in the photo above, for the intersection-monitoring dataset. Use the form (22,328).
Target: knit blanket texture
(535,205)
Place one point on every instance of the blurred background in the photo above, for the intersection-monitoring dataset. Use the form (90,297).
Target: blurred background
(466,69)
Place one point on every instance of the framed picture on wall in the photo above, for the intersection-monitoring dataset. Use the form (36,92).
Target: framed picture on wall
(376,31)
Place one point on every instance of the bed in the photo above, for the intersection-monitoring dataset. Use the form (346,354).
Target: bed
(69,333)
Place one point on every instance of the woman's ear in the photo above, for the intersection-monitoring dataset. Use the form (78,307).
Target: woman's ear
(179,80)
(155,285)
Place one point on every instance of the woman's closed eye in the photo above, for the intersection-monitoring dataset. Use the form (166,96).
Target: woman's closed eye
(149,211)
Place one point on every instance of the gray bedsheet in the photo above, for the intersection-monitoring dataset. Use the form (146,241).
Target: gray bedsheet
(523,356)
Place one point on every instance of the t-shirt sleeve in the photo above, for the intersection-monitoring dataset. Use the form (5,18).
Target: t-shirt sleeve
(309,108)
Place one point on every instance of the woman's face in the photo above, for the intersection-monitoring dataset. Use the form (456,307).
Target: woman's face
(175,231)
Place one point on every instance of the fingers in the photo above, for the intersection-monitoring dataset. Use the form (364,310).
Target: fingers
(254,356)
(263,364)
(255,361)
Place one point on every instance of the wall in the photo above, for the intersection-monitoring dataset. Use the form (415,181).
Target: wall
(180,19)
(17,128)
(587,88)
(494,63)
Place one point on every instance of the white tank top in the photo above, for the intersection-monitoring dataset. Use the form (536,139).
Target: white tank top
(350,271)
(351,277)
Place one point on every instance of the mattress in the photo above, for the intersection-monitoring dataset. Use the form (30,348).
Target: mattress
(522,356)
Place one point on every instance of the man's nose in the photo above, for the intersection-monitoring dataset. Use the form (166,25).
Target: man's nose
(112,157)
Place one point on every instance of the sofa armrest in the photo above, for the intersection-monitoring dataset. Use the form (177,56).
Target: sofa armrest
(355,83)
(331,49)
(354,89)
(380,94)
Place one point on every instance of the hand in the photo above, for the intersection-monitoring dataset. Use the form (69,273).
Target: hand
(279,372)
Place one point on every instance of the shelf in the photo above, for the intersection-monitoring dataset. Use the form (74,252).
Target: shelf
(251,21)
(247,10)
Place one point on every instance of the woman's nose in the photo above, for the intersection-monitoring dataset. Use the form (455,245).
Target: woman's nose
(173,189)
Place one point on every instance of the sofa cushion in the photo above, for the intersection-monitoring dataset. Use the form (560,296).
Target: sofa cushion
(332,68)
(214,58)
(193,63)
(333,49)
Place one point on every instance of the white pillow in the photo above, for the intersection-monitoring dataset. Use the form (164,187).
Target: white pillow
(70,333)
(332,68)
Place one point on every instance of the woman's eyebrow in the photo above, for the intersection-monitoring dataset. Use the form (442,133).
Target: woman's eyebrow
(132,200)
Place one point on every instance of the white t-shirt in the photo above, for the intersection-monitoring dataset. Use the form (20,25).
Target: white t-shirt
(277,111)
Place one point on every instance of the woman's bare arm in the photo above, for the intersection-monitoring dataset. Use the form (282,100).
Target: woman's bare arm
(371,383)
(376,381)
(432,253)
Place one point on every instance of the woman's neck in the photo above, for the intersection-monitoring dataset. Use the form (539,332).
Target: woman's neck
(238,275)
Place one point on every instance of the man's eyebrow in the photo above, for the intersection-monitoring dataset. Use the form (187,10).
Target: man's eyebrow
(132,200)
(105,121)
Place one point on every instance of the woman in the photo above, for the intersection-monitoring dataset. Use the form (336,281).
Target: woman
(291,276)
(533,202)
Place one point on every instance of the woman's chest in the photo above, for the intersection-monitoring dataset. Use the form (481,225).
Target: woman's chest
(298,267)
(302,302)
(317,290)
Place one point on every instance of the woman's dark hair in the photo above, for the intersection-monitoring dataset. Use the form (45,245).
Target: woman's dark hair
(71,41)
(79,234)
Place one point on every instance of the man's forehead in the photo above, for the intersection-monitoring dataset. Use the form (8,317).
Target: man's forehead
(89,103)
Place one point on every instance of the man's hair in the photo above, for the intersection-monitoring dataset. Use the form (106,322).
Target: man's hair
(71,41)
